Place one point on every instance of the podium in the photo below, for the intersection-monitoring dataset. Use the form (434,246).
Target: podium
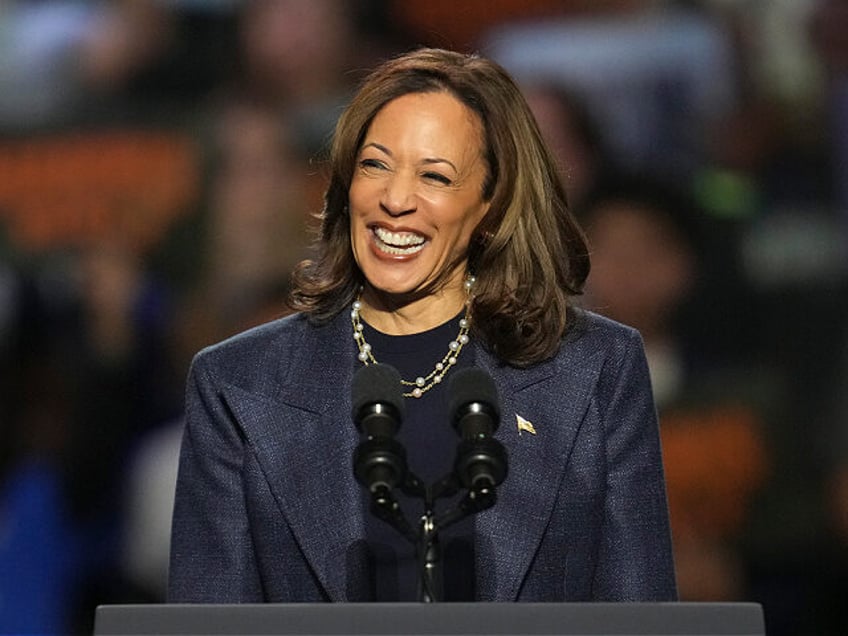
(443,619)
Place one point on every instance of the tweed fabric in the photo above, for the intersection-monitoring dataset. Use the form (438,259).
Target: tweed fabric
(267,508)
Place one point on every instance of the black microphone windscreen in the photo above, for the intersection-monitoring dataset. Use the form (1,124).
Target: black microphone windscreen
(377,383)
(472,385)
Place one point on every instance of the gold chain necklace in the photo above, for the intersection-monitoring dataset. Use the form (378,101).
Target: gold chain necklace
(424,383)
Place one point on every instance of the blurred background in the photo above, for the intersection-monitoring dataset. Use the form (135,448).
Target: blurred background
(160,165)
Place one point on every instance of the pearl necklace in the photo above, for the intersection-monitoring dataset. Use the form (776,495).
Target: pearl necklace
(424,383)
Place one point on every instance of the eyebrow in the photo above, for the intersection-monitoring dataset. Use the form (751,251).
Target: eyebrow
(428,160)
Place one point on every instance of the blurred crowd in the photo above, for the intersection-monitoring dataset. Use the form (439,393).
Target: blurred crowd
(161,165)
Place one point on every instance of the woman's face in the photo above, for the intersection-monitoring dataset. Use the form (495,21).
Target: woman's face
(416,193)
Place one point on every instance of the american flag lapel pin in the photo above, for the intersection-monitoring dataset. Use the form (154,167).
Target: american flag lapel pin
(524,425)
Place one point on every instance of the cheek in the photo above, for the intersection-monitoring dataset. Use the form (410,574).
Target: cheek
(357,233)
(361,191)
(354,195)
(357,203)
(472,219)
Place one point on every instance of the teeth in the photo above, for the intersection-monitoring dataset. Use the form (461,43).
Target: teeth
(398,239)
(398,242)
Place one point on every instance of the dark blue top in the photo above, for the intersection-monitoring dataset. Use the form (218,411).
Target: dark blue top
(430,442)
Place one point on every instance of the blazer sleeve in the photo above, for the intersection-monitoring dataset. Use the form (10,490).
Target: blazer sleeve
(212,553)
(635,561)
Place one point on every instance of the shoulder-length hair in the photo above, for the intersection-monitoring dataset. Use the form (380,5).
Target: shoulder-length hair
(528,253)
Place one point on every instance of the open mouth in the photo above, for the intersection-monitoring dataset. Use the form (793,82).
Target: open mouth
(398,243)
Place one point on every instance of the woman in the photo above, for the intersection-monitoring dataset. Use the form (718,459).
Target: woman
(444,222)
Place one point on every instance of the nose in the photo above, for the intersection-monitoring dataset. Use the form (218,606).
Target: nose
(399,195)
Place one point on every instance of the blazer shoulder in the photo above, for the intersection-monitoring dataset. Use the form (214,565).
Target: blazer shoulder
(592,348)
(612,352)
(254,352)
(603,352)
(591,332)
(257,339)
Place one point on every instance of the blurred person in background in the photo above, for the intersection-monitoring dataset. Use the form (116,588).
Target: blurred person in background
(89,375)
(573,135)
(463,26)
(654,75)
(301,58)
(39,549)
(64,61)
(264,132)
(253,228)
(125,387)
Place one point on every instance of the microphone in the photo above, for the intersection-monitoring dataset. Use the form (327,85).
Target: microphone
(377,400)
(481,462)
(379,462)
(473,403)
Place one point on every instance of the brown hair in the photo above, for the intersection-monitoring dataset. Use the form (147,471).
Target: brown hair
(528,253)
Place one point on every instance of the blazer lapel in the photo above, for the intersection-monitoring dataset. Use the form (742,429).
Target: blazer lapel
(552,399)
(304,439)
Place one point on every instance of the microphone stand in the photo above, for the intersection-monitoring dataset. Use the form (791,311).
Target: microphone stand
(385,506)
(429,552)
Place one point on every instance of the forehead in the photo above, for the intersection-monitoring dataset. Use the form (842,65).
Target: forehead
(436,113)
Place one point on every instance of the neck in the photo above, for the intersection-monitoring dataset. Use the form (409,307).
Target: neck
(400,316)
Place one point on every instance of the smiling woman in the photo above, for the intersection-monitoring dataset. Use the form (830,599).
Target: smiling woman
(446,244)
(415,199)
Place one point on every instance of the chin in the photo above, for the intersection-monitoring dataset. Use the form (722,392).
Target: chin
(393,288)
(394,279)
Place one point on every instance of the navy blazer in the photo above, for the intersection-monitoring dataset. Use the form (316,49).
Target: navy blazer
(267,508)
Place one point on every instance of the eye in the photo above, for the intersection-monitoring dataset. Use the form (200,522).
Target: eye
(437,177)
(371,164)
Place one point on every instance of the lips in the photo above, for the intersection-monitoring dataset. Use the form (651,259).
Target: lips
(398,243)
